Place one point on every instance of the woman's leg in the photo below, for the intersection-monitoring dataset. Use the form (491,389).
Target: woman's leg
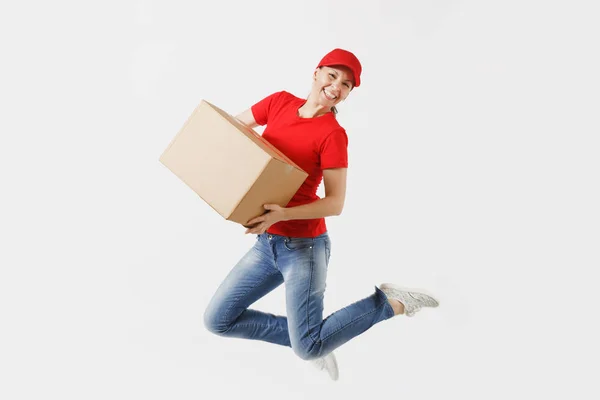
(303,263)
(251,278)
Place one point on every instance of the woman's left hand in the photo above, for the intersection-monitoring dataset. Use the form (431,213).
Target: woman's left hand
(275,214)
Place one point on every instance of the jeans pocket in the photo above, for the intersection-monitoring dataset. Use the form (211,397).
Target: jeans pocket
(294,244)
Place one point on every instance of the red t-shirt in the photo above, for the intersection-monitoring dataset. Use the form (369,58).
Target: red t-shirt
(314,144)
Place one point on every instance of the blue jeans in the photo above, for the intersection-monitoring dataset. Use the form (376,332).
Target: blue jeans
(301,264)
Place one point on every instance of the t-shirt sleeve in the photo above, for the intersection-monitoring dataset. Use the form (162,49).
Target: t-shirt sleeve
(334,150)
(263,108)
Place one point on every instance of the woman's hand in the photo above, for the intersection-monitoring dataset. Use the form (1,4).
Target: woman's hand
(274,214)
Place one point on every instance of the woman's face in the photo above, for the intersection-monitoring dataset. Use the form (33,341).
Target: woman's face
(331,85)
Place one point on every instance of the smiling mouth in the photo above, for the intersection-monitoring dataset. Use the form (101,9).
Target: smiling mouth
(330,97)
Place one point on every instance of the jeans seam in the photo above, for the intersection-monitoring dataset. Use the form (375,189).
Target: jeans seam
(310,282)
(351,322)
(270,326)
(242,295)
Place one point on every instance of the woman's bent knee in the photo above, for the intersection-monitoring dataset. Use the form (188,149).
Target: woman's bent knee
(212,324)
(304,352)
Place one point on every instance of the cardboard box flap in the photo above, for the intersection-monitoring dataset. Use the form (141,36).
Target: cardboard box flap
(255,137)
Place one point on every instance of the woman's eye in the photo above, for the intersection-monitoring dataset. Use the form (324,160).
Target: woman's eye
(348,86)
(331,75)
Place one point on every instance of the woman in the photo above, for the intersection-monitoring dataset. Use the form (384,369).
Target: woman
(293,246)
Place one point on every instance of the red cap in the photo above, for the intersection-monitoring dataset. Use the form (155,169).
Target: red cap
(346,58)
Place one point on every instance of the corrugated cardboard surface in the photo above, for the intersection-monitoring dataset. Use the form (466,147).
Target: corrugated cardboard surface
(256,138)
(230,166)
(277,184)
(214,160)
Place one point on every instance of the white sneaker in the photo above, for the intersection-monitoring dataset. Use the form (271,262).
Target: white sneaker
(329,363)
(412,299)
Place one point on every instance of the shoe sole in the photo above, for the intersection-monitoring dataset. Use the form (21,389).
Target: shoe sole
(330,365)
(336,374)
(405,289)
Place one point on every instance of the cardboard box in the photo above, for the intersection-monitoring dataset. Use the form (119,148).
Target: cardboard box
(230,166)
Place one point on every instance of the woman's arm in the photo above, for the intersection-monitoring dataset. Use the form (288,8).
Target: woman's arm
(331,204)
(334,180)
(247,118)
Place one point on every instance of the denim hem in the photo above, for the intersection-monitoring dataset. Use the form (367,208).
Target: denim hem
(384,303)
(390,310)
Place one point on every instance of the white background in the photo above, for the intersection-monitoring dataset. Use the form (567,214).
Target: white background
(474,174)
